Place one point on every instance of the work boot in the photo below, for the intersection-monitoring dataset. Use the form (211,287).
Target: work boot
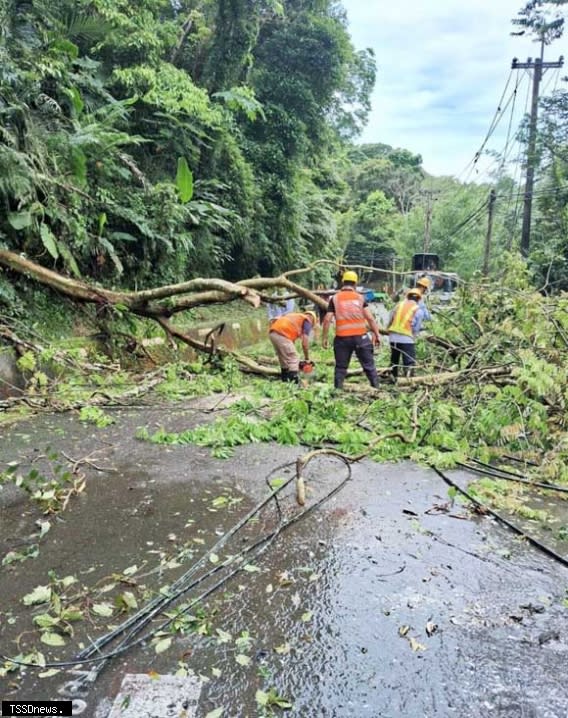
(284,374)
(293,377)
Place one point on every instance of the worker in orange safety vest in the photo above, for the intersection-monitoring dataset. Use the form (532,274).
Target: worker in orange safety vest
(353,320)
(283,333)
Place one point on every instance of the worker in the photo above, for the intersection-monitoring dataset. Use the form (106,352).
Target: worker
(286,330)
(405,321)
(423,285)
(279,308)
(352,322)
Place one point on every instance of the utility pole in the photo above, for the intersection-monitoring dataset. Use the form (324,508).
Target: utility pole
(491,206)
(538,66)
(429,194)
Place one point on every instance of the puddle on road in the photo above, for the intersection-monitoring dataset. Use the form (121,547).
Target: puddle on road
(367,608)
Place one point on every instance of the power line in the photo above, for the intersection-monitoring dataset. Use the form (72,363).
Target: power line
(494,122)
(468,220)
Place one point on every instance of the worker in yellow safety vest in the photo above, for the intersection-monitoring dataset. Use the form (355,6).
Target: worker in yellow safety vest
(405,321)
(286,330)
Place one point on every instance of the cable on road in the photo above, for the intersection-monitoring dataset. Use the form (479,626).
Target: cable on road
(136,623)
(511,526)
(496,473)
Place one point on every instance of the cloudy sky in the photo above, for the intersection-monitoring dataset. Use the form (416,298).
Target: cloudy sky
(442,68)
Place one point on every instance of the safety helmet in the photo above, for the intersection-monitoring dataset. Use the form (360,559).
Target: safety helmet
(423,282)
(413,294)
(350,276)
(313,316)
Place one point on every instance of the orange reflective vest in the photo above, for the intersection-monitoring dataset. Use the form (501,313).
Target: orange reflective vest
(402,318)
(349,318)
(290,325)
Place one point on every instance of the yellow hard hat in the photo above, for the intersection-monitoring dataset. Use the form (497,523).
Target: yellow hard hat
(423,282)
(313,316)
(413,294)
(350,276)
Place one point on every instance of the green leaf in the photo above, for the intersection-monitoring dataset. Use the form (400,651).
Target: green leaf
(184,180)
(68,581)
(19,220)
(261,698)
(49,673)
(69,259)
(79,164)
(102,222)
(44,527)
(129,599)
(282,703)
(223,636)
(52,639)
(69,48)
(49,240)
(40,594)
(217,713)
(44,620)
(130,571)
(71,614)
(242,659)
(103,609)
(76,100)
(250,568)
(163,645)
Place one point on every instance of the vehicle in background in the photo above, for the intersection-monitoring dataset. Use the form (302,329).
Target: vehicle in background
(442,284)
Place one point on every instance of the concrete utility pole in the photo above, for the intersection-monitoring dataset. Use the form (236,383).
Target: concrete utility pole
(491,207)
(538,66)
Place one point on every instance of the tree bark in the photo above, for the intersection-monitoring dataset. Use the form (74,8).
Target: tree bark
(161,303)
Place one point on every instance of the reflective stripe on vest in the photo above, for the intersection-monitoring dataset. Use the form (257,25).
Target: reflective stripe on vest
(402,318)
(289,325)
(349,318)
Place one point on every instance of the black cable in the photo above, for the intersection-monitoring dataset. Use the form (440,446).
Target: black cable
(509,128)
(518,165)
(492,127)
(180,585)
(534,542)
(510,476)
(470,218)
(261,544)
(519,461)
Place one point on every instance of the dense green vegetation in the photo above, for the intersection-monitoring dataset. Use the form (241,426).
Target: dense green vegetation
(140,146)
(153,142)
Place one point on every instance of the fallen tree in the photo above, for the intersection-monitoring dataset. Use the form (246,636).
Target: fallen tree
(162,303)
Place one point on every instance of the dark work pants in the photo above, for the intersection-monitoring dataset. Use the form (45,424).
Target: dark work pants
(405,350)
(343,348)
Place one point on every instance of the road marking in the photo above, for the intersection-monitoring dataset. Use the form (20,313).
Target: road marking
(160,696)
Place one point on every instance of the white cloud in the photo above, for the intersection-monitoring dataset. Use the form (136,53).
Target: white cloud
(442,67)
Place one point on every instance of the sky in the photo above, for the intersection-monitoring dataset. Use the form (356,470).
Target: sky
(442,66)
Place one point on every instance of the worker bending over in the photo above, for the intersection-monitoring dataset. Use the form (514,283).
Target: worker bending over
(352,322)
(283,332)
(405,321)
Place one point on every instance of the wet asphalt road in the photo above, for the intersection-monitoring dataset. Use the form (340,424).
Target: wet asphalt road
(386,601)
